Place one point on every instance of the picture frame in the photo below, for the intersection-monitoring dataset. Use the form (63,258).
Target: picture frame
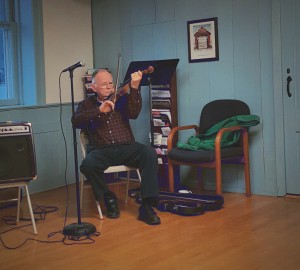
(203,42)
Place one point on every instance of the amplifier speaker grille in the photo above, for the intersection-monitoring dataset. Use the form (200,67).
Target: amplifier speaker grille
(17,158)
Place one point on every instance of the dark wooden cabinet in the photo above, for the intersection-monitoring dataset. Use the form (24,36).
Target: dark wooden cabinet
(163,118)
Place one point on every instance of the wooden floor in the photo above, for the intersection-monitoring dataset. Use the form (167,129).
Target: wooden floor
(248,233)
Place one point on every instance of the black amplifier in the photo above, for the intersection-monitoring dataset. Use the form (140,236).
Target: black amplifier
(17,154)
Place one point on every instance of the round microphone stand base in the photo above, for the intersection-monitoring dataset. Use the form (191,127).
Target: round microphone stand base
(82,229)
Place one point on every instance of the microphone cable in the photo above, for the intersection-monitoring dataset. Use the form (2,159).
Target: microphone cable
(42,211)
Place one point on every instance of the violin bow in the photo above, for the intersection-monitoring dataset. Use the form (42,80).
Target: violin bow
(117,79)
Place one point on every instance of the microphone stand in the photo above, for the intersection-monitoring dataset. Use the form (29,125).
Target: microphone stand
(80,228)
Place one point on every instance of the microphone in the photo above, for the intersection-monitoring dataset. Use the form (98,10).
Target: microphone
(71,68)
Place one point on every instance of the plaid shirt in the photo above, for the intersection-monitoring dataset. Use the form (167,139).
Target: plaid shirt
(108,128)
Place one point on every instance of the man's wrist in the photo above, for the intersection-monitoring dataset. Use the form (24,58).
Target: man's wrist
(134,86)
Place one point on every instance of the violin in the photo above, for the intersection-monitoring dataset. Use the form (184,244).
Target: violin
(125,86)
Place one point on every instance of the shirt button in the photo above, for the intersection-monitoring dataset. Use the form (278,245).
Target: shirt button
(107,122)
(113,141)
(110,131)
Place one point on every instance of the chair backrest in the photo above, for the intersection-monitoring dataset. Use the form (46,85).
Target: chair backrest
(221,109)
(84,140)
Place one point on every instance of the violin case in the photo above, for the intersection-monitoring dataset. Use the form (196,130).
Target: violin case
(184,204)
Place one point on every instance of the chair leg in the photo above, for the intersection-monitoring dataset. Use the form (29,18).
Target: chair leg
(218,181)
(171,176)
(99,210)
(139,175)
(246,162)
(19,204)
(127,186)
(218,176)
(200,179)
(30,210)
(247,179)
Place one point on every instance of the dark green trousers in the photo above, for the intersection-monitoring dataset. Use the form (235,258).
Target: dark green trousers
(98,159)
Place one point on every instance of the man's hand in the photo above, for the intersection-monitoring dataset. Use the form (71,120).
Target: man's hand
(136,78)
(107,106)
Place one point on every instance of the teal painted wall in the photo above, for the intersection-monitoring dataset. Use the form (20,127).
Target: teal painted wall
(148,30)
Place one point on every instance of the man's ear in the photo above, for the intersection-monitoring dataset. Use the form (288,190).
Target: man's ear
(93,87)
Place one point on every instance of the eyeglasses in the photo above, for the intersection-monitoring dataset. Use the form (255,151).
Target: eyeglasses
(105,85)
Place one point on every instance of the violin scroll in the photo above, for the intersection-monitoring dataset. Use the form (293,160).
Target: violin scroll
(149,70)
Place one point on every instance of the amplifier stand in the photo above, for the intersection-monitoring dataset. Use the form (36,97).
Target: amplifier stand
(19,185)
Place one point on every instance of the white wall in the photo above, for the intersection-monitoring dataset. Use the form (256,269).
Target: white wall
(63,37)
(67,40)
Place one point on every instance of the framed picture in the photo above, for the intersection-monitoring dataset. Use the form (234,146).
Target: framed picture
(203,40)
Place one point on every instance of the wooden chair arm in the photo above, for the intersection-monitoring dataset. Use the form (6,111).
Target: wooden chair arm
(224,130)
(175,130)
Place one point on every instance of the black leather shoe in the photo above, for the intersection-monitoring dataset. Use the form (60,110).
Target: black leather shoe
(111,203)
(148,215)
